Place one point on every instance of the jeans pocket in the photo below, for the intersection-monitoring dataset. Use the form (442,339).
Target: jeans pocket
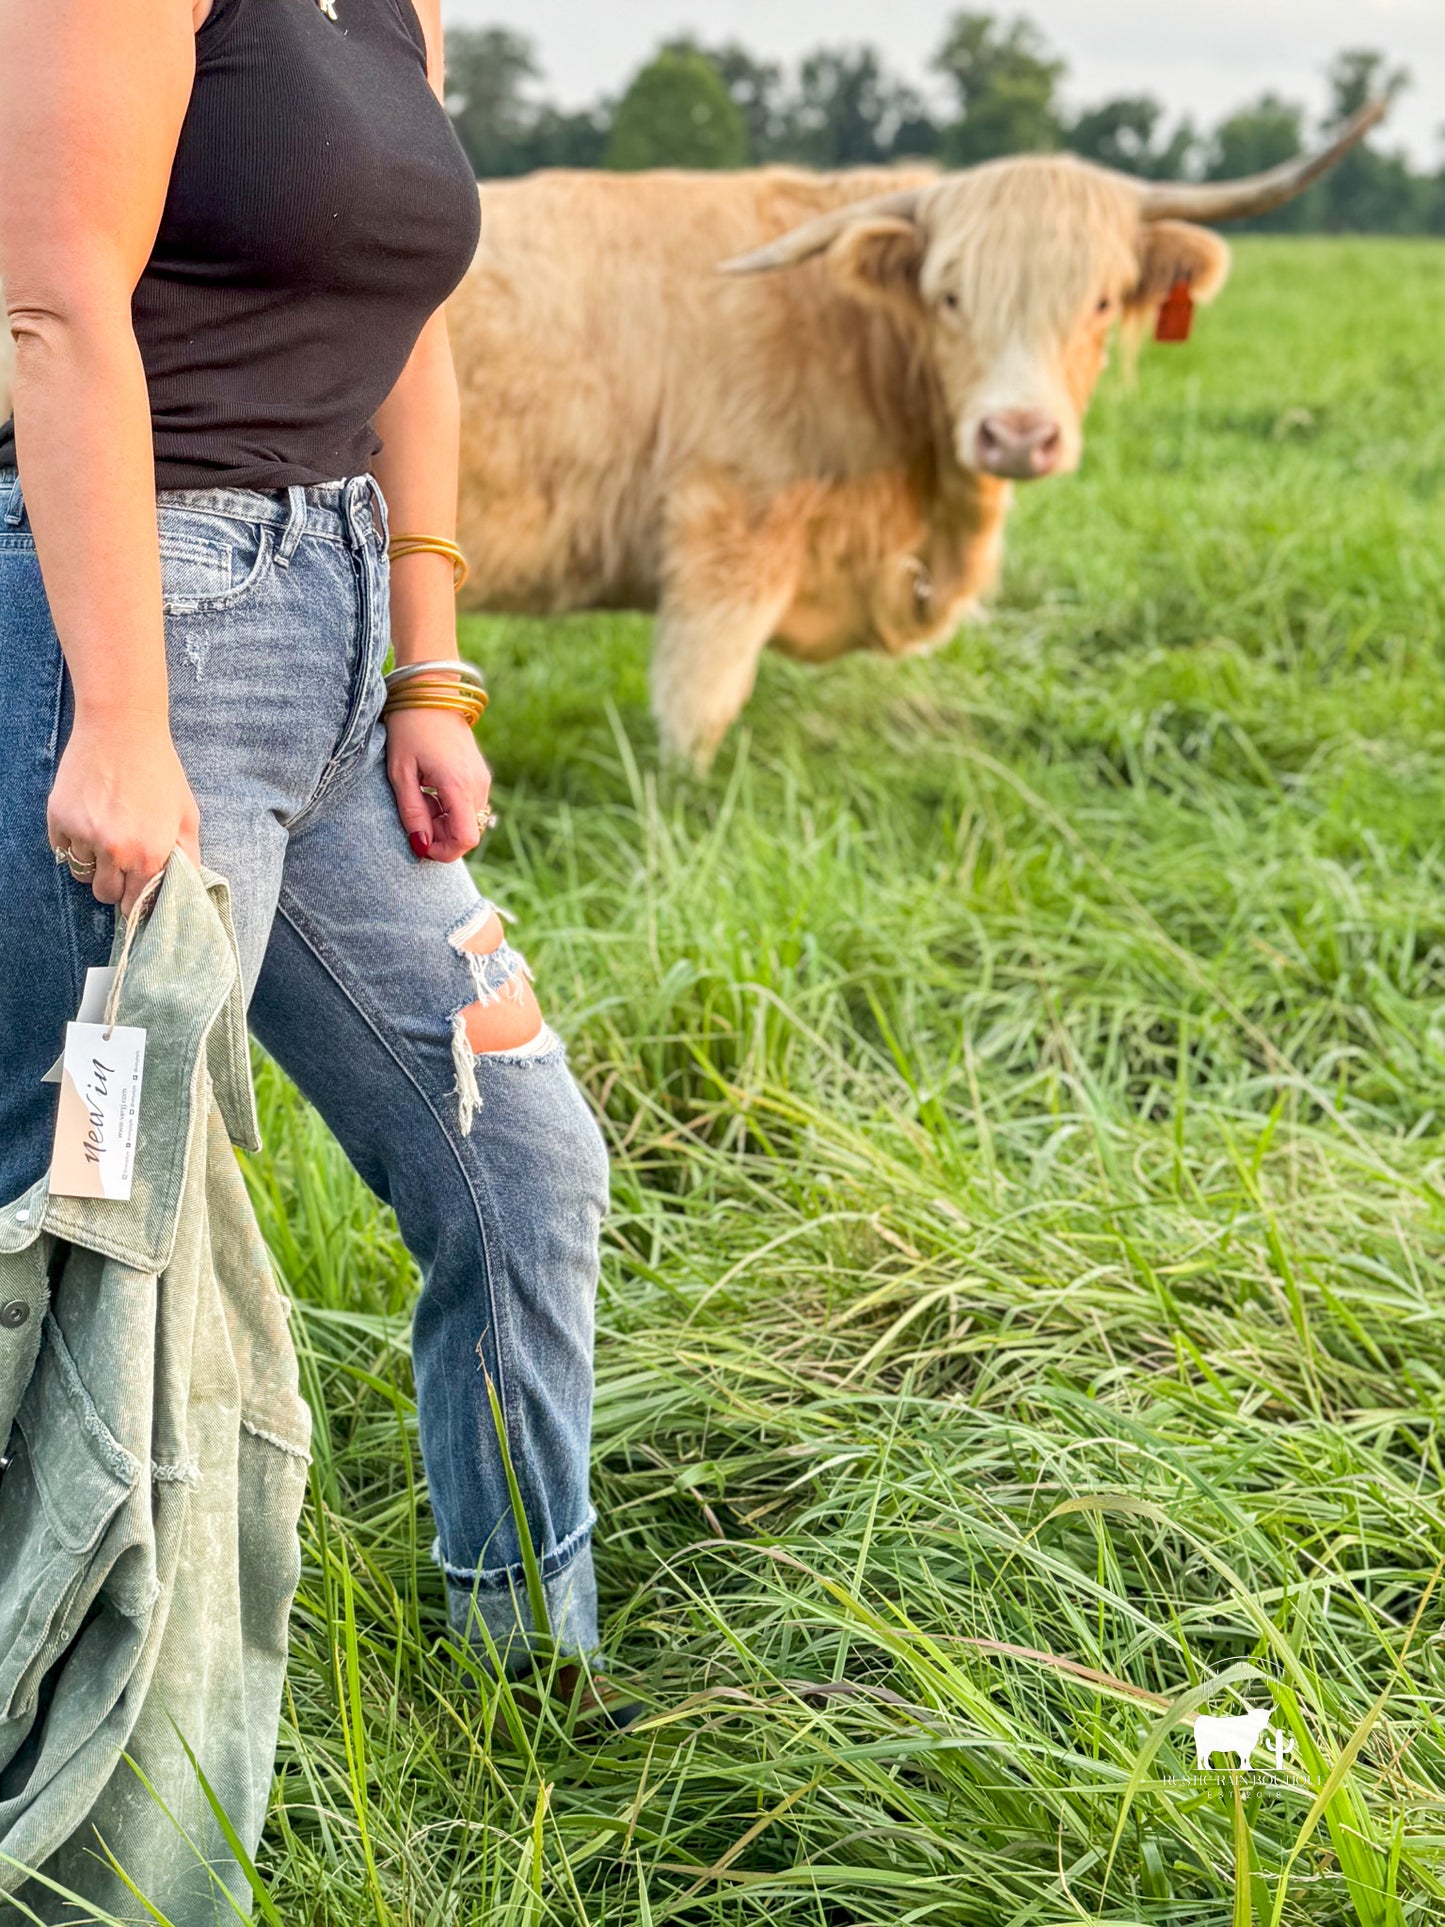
(210,562)
(68,1479)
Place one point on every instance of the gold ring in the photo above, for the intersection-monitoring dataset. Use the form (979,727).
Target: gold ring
(486,820)
(81,869)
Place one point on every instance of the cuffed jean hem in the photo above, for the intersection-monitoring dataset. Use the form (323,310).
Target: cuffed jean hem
(492,1603)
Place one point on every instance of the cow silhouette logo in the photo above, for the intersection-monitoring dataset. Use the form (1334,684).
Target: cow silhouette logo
(1239,1734)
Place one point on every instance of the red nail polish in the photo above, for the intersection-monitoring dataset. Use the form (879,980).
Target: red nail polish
(420,844)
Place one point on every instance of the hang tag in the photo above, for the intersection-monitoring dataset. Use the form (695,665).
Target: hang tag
(99,1115)
(1176,314)
(93,997)
(98,981)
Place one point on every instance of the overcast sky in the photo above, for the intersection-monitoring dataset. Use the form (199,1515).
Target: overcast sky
(1201,55)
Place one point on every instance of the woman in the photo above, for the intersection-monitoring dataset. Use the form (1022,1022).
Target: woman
(226,231)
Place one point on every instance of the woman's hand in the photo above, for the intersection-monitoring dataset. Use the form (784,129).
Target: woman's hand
(434,749)
(121,801)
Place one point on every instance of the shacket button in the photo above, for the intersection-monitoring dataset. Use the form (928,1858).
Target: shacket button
(13,1316)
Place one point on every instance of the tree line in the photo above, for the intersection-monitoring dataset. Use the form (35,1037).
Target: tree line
(999,91)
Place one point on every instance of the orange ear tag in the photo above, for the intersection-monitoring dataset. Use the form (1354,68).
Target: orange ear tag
(1176,314)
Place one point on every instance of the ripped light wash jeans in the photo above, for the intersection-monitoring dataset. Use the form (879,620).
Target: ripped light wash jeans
(358,974)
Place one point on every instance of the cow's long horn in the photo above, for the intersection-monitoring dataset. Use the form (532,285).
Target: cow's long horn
(800,243)
(1257,193)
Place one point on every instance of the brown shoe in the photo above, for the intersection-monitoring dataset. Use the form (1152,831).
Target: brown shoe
(593,1696)
(589,1702)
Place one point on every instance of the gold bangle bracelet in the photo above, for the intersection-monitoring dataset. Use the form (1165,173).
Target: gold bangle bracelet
(427,692)
(472,707)
(472,711)
(437,699)
(402,545)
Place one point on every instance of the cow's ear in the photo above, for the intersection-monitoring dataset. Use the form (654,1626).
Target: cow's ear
(1171,252)
(879,261)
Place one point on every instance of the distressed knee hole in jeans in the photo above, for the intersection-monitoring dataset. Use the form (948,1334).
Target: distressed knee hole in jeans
(504,1019)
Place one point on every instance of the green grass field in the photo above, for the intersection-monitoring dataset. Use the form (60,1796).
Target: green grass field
(1022,1313)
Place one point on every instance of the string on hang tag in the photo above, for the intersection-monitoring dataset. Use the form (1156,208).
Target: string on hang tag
(97,1117)
(133,922)
(1176,314)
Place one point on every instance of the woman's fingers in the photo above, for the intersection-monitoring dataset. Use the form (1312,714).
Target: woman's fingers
(108,883)
(78,855)
(93,865)
(190,840)
(135,886)
(119,805)
(115,876)
(413,806)
(458,828)
(440,782)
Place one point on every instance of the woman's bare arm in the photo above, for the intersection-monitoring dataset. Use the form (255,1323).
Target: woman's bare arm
(417,469)
(92,96)
(419,424)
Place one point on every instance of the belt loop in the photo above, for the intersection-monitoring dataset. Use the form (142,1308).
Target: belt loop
(353,492)
(295,524)
(383,516)
(15,507)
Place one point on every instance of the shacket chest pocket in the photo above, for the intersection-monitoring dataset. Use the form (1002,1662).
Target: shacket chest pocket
(67,1479)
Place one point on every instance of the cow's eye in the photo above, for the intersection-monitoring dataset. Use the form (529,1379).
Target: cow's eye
(950,300)
(1103,305)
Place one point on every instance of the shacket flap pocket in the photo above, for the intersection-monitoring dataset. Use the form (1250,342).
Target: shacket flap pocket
(69,1478)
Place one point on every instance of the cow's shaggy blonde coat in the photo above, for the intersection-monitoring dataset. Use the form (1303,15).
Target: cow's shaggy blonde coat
(784,458)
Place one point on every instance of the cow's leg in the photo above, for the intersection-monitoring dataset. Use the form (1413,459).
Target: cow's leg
(729,579)
(704,665)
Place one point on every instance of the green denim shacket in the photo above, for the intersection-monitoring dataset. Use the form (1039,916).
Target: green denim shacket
(154,1475)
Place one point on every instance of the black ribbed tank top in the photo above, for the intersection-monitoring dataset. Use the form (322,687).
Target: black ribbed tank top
(320,209)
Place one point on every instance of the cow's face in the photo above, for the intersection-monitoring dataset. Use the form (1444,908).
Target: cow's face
(1012,277)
